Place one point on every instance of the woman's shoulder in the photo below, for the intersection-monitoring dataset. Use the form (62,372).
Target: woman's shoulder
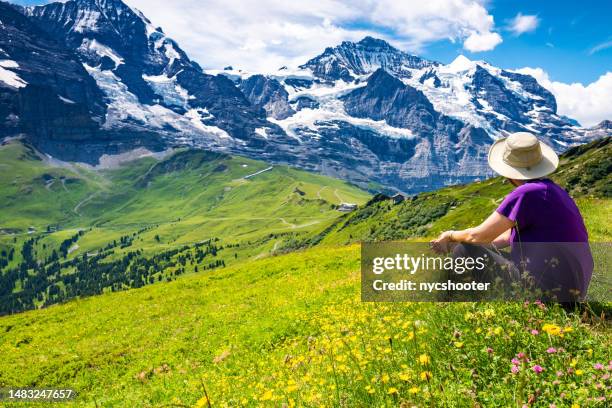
(534,186)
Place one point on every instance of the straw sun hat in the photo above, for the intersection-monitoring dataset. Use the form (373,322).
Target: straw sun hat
(521,156)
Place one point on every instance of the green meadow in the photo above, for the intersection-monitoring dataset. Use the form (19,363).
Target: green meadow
(280,323)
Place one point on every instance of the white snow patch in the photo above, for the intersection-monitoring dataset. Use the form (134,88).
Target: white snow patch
(262,131)
(10,77)
(195,115)
(86,20)
(170,52)
(169,89)
(124,106)
(459,64)
(485,104)
(66,100)
(330,109)
(101,49)
(8,64)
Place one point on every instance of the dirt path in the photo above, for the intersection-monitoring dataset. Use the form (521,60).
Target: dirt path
(84,201)
(319,192)
(146,173)
(258,172)
(338,195)
(284,221)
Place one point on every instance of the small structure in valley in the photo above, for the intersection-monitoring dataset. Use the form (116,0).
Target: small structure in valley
(347,207)
(398,198)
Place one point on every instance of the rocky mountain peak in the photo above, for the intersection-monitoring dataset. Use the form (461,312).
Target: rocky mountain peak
(350,60)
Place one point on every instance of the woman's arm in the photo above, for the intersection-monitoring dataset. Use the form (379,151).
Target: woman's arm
(503,240)
(492,229)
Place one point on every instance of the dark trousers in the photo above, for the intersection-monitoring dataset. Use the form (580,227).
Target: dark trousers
(497,264)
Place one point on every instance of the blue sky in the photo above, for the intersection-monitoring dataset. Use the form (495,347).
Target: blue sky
(565,44)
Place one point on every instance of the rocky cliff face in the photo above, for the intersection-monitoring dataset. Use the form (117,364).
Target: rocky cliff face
(84,78)
(268,94)
(46,94)
(149,83)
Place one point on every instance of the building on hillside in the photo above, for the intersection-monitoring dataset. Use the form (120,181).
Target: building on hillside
(347,207)
(398,198)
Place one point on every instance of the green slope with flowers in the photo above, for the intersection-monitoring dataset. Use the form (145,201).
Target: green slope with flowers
(290,330)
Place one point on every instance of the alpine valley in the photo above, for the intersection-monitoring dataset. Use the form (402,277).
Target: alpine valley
(87,79)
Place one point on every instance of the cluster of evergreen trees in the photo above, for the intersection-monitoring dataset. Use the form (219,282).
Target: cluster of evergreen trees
(37,283)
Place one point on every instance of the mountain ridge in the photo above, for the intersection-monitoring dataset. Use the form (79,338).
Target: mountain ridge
(153,95)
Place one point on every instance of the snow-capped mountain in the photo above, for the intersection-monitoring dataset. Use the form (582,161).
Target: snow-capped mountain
(404,121)
(109,81)
(349,60)
(149,83)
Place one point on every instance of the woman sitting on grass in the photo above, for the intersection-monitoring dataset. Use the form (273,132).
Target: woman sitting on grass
(538,219)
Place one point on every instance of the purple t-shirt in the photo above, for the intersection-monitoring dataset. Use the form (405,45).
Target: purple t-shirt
(548,225)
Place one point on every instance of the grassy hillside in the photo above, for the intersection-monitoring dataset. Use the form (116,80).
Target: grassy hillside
(284,330)
(67,230)
(585,171)
(291,330)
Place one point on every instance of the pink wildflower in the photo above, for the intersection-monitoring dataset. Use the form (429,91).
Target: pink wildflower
(551,350)
(537,369)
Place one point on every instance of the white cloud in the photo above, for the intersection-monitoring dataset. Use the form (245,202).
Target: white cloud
(600,47)
(588,104)
(477,42)
(523,24)
(266,34)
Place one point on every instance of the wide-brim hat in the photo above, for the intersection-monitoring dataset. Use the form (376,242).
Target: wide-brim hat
(521,156)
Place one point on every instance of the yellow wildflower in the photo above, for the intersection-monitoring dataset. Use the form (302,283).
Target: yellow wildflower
(202,402)
(385,378)
(414,390)
(458,344)
(551,329)
(392,391)
(424,359)
(425,375)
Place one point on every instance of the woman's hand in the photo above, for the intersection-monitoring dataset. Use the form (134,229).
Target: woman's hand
(442,244)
